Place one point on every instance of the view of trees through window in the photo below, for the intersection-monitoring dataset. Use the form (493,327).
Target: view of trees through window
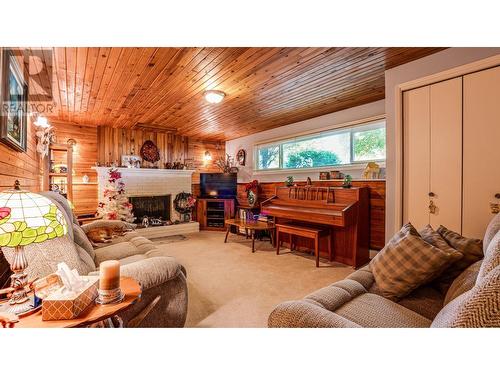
(341,147)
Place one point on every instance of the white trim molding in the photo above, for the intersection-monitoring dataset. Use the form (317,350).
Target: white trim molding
(145,171)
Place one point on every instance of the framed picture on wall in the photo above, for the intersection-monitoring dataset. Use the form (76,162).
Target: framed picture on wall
(241,157)
(13,102)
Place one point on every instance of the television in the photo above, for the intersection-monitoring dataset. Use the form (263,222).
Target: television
(218,185)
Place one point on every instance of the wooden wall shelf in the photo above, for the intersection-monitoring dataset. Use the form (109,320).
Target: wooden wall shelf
(48,176)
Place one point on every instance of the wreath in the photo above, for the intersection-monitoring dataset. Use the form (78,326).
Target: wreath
(184,202)
(149,152)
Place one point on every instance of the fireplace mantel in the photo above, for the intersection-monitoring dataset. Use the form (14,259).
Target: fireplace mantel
(146,171)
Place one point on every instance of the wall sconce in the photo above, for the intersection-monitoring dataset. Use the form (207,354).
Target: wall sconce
(207,157)
(72,143)
(42,122)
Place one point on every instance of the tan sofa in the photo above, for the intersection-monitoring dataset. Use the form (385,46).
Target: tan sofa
(157,273)
(473,299)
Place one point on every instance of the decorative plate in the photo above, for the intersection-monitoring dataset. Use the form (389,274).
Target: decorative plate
(149,152)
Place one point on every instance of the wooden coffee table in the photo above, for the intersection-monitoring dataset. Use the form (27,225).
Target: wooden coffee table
(93,314)
(252,226)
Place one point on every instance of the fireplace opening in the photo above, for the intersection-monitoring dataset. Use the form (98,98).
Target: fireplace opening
(154,207)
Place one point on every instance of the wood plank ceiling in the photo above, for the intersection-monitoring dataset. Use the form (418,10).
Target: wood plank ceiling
(265,88)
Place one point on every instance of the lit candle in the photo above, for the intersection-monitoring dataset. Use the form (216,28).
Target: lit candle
(109,275)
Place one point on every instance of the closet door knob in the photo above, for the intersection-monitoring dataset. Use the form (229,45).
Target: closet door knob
(497,195)
(431,194)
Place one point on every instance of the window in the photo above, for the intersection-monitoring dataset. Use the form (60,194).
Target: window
(344,146)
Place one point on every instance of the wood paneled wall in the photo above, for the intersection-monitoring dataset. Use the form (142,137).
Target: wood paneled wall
(22,166)
(84,158)
(197,149)
(113,143)
(377,203)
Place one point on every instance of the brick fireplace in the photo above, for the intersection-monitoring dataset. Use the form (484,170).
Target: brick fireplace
(149,182)
(152,206)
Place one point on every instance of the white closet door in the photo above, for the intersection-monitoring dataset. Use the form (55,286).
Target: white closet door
(416,159)
(446,154)
(481,155)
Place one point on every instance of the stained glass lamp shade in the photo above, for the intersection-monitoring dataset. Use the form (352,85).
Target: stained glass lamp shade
(26,218)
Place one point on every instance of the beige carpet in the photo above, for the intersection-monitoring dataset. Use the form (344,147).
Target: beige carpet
(229,286)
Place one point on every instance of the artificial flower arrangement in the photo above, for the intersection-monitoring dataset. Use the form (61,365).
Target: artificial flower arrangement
(252,189)
(252,186)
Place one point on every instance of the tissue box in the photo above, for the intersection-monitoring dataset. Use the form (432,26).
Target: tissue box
(59,307)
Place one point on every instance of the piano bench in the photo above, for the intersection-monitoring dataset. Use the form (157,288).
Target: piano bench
(314,233)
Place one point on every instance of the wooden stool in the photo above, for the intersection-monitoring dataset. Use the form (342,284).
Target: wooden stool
(305,232)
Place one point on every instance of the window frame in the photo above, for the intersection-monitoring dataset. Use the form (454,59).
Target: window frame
(369,124)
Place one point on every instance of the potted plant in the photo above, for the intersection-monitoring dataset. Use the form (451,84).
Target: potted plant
(347,181)
(289,181)
(252,190)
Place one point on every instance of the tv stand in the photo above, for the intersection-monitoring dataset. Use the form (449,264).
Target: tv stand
(212,212)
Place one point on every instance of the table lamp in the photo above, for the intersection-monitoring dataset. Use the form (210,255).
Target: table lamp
(25,218)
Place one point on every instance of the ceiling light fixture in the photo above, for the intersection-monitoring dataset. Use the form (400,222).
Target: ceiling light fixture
(214,96)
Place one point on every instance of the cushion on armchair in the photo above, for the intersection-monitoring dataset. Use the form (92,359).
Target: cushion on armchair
(43,257)
(152,271)
(81,239)
(479,307)
(374,311)
(136,245)
(463,282)
(491,231)
(491,257)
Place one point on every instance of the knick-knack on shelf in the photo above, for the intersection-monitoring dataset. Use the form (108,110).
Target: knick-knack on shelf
(347,181)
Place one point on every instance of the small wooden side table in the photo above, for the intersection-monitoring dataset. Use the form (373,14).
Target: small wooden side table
(251,226)
(93,314)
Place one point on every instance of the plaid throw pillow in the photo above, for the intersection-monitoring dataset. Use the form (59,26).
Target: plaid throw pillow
(429,235)
(472,250)
(407,262)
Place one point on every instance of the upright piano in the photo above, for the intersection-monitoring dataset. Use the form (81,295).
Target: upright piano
(343,211)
